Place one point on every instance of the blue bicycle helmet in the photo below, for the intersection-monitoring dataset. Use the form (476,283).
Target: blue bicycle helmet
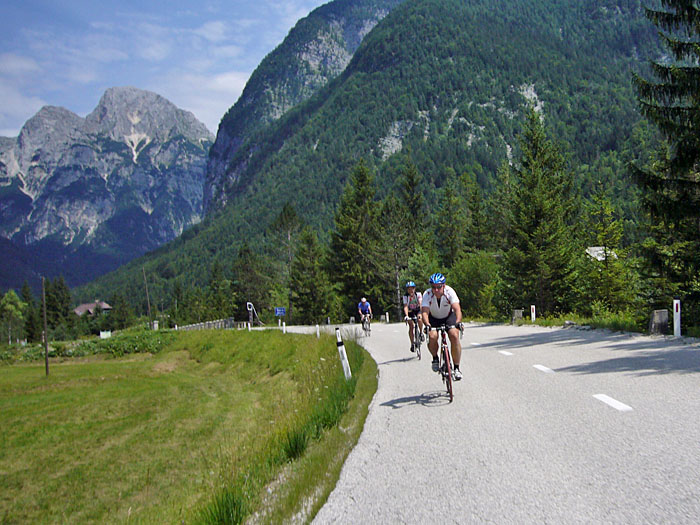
(410,283)
(437,278)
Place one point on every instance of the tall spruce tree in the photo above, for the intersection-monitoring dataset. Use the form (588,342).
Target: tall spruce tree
(32,319)
(392,250)
(354,241)
(310,286)
(607,277)
(672,184)
(538,267)
(452,220)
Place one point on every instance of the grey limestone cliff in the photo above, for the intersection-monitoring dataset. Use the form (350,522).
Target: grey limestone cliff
(123,180)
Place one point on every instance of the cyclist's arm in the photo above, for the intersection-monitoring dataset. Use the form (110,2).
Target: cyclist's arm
(424,314)
(458,312)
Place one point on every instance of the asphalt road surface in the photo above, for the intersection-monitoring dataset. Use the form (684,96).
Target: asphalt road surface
(547,426)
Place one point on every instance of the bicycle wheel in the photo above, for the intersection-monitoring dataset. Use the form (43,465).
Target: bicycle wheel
(416,338)
(448,370)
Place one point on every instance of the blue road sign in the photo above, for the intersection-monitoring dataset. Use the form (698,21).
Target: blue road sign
(280,311)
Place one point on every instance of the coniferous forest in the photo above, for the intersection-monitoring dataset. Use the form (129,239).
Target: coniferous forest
(538,153)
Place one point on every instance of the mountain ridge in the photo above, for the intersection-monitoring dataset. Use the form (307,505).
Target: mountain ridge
(443,85)
(108,187)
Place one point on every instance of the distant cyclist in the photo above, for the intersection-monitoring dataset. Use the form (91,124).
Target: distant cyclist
(411,308)
(440,307)
(364,308)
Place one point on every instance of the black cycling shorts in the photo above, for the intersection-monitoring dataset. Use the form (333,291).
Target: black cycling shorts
(414,313)
(450,320)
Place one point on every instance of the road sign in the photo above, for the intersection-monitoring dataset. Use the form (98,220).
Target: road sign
(280,311)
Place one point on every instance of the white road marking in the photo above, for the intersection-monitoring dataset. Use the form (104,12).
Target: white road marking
(544,369)
(504,352)
(475,344)
(613,403)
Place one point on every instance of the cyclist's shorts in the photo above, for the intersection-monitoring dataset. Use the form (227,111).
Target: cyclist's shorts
(450,320)
(414,313)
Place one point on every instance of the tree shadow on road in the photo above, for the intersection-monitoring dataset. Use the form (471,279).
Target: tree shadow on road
(643,355)
(427,399)
(644,363)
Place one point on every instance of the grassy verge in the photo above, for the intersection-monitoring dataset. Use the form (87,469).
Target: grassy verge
(206,429)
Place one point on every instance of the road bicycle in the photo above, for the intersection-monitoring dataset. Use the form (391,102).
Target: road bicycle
(417,335)
(446,366)
(366,324)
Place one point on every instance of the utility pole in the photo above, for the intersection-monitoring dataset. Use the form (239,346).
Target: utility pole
(46,333)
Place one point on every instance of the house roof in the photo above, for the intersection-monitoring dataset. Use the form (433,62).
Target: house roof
(91,308)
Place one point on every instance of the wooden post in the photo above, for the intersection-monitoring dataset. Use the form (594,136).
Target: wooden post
(46,333)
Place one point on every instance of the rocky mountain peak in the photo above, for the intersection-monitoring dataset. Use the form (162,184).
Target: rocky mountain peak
(121,181)
(124,111)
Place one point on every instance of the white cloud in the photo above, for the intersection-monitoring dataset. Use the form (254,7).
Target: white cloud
(16,65)
(207,96)
(216,31)
(16,109)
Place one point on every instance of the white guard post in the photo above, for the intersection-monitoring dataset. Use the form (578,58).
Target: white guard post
(284,327)
(532,312)
(677,317)
(387,317)
(343,355)
(318,332)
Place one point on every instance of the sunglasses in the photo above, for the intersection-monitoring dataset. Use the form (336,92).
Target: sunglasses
(437,286)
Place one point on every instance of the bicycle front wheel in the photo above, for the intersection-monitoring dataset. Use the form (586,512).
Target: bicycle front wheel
(448,370)
(416,339)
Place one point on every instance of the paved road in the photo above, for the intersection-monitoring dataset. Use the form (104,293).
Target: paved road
(526,440)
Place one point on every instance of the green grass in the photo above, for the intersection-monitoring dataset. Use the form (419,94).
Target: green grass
(193,433)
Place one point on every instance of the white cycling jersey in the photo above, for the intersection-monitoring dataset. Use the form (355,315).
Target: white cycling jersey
(440,308)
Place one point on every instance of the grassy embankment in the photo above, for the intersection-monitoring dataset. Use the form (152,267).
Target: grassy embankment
(204,427)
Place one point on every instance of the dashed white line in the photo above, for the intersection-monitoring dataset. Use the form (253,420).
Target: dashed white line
(475,344)
(613,403)
(544,369)
(505,353)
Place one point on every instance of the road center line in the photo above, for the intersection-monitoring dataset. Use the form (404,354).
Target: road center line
(544,369)
(504,352)
(613,403)
(475,344)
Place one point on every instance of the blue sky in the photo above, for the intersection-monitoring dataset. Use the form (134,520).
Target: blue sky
(197,54)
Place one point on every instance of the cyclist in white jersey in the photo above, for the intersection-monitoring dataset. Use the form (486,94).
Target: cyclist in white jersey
(411,308)
(440,307)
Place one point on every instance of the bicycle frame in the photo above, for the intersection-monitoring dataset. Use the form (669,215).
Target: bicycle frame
(445,359)
(416,335)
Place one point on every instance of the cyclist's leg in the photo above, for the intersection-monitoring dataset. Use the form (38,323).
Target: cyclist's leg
(455,345)
(433,342)
(410,331)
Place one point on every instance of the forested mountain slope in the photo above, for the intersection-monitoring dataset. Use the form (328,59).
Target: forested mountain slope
(317,49)
(443,83)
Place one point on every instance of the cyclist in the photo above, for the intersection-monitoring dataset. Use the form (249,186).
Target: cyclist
(440,307)
(364,308)
(411,308)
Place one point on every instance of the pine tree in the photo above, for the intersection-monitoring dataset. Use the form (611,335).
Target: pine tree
(310,287)
(607,277)
(288,225)
(395,243)
(538,267)
(672,184)
(32,318)
(354,240)
(451,220)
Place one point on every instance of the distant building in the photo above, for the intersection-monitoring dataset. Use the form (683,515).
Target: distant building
(91,308)
(598,253)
